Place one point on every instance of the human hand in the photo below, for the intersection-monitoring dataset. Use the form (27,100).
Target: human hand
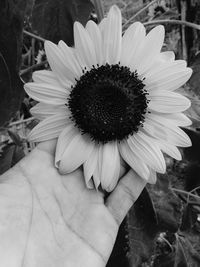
(53,220)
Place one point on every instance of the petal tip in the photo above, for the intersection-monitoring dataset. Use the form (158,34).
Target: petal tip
(47,44)
(77,26)
(30,137)
(160,29)
(61,42)
(189,72)
(115,12)
(49,47)
(114,8)
(62,170)
(57,163)
(189,142)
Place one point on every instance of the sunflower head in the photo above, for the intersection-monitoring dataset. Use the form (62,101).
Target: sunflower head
(110,101)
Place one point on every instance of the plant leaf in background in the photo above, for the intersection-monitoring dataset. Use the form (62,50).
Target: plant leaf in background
(187,250)
(156,212)
(193,92)
(54,19)
(10,153)
(164,228)
(142,225)
(11,87)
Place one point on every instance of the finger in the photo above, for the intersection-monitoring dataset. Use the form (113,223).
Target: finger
(48,146)
(125,194)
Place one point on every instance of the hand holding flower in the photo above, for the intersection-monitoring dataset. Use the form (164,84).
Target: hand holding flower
(48,219)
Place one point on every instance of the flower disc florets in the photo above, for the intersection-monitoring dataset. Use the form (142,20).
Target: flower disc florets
(108,102)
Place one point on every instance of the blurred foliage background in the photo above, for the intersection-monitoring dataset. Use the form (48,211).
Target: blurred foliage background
(163,227)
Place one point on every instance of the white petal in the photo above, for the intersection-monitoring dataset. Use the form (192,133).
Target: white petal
(69,55)
(123,167)
(77,151)
(176,119)
(133,161)
(110,168)
(84,45)
(162,60)
(179,119)
(64,139)
(47,93)
(169,81)
(45,76)
(90,165)
(149,50)
(167,131)
(167,102)
(102,25)
(96,177)
(131,42)
(170,150)
(154,130)
(59,65)
(113,36)
(42,111)
(152,177)
(146,149)
(178,137)
(90,184)
(49,128)
(167,56)
(96,38)
(161,69)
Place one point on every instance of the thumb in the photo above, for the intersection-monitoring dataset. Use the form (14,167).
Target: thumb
(125,194)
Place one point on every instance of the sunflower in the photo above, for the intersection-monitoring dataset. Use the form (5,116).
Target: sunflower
(111,100)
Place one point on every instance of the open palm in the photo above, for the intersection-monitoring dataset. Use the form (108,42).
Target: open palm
(53,220)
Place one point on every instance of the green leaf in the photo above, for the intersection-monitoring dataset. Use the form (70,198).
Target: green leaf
(157,211)
(142,226)
(189,217)
(54,19)
(187,251)
(10,156)
(15,138)
(193,92)
(6,158)
(11,87)
(167,205)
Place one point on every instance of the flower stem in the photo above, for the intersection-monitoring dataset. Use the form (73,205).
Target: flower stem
(99,9)
(34,36)
(173,21)
(183,37)
(185,192)
(21,121)
(196,188)
(139,12)
(31,68)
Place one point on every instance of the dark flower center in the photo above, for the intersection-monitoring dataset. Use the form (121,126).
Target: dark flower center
(108,103)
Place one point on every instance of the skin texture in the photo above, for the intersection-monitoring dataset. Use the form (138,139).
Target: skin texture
(53,220)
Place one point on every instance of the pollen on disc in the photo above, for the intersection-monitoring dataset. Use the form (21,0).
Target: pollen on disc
(108,103)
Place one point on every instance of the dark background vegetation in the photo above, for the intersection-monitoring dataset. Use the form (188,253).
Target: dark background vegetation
(163,228)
